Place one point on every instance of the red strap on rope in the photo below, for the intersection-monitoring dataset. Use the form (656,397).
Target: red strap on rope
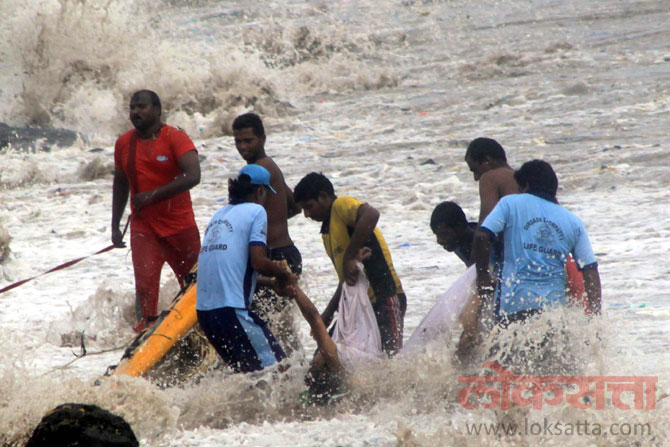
(62,266)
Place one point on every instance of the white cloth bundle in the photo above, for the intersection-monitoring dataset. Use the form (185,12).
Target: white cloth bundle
(444,314)
(356,332)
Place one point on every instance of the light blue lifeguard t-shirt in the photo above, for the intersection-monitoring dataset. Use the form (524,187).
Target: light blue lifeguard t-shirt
(538,236)
(225,275)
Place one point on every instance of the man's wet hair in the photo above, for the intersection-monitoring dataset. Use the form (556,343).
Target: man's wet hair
(539,176)
(449,214)
(480,148)
(311,185)
(240,189)
(153,96)
(250,120)
(82,425)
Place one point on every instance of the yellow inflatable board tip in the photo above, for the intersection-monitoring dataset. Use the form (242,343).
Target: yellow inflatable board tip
(162,336)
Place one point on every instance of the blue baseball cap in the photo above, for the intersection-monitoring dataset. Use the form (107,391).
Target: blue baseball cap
(258,175)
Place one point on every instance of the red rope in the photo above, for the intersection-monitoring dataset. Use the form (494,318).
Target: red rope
(62,266)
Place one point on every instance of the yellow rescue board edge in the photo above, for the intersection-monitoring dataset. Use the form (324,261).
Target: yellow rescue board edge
(181,318)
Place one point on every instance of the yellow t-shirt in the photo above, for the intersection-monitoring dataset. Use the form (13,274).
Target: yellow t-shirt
(336,233)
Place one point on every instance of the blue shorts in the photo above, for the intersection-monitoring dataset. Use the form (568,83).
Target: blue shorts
(241,338)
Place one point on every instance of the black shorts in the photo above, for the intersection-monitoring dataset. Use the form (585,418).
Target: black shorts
(291,254)
(507,355)
(265,299)
(505,320)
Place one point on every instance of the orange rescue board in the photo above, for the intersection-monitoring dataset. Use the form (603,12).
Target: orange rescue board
(162,336)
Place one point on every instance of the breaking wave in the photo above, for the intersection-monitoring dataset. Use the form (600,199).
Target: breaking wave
(73,64)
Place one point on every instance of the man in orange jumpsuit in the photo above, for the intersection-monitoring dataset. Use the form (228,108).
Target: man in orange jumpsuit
(157,165)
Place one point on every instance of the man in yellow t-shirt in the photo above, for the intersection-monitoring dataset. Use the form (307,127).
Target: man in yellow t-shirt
(347,226)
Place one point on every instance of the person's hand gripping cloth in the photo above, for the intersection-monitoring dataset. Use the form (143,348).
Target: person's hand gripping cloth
(356,333)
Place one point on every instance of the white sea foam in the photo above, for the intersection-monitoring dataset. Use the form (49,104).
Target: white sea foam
(73,64)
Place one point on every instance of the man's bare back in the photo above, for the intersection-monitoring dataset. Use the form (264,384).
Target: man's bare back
(250,143)
(280,207)
(487,161)
(494,185)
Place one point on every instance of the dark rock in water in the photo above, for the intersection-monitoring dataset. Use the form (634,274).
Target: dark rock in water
(97,168)
(5,239)
(430,161)
(82,425)
(35,139)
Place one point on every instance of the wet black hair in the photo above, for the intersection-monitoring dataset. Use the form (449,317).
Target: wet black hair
(240,189)
(311,185)
(74,424)
(539,176)
(155,100)
(479,148)
(248,120)
(449,214)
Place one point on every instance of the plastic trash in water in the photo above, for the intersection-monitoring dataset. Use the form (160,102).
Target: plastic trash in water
(406,244)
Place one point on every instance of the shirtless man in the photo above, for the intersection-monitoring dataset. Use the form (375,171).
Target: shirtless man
(453,231)
(488,163)
(249,136)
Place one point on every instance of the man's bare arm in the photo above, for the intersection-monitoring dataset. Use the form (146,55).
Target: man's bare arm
(472,313)
(469,320)
(262,264)
(481,254)
(366,221)
(593,288)
(331,308)
(488,195)
(319,332)
(190,165)
(292,206)
(120,190)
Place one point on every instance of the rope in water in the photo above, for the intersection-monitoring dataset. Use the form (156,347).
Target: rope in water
(64,265)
